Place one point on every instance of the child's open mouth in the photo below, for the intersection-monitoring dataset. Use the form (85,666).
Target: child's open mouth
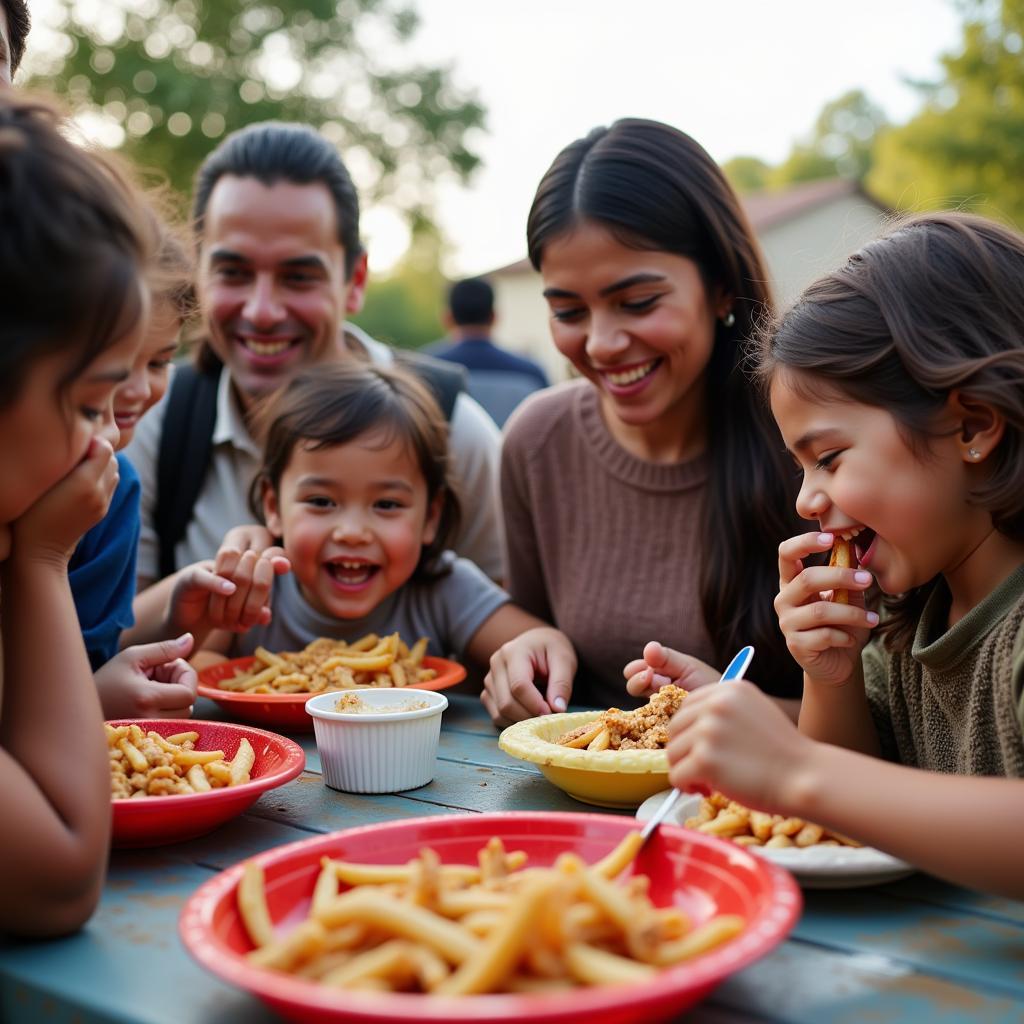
(351,573)
(861,541)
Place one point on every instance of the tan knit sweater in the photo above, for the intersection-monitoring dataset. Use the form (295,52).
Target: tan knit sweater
(954,704)
(604,545)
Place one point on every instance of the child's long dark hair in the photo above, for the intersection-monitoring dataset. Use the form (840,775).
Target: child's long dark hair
(936,304)
(654,188)
(336,404)
(74,246)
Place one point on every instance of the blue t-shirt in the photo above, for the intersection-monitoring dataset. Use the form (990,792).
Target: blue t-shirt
(102,570)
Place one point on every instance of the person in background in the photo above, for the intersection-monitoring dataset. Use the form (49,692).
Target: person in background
(73,251)
(647,499)
(898,384)
(499,380)
(281,267)
(14,26)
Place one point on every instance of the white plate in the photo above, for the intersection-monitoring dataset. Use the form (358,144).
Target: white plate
(815,867)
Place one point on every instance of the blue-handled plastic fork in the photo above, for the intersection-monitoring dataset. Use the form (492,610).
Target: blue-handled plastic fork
(734,670)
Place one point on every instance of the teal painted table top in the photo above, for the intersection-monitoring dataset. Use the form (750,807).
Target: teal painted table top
(913,950)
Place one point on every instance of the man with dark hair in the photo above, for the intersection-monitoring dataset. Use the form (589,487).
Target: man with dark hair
(498,379)
(14,26)
(281,266)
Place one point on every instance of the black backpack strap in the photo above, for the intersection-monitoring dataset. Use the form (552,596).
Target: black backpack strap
(445,380)
(186,444)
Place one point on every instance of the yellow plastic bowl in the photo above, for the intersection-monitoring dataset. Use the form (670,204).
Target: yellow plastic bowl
(606,778)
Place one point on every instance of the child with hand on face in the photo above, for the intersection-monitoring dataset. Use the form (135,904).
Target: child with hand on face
(898,385)
(102,569)
(355,484)
(149,678)
(74,245)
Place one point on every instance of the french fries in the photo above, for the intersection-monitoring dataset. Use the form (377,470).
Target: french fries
(841,558)
(720,816)
(646,728)
(455,930)
(336,665)
(145,764)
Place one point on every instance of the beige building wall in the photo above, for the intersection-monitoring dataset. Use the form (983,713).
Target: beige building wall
(804,247)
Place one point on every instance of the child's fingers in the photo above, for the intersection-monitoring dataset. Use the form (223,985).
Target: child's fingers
(793,551)
(168,699)
(820,613)
(641,684)
(812,642)
(244,577)
(146,656)
(810,584)
(633,667)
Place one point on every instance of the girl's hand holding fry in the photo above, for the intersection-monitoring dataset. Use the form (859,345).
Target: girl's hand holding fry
(824,637)
(734,738)
(660,666)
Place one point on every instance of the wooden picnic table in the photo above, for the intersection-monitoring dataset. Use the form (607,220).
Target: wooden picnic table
(913,950)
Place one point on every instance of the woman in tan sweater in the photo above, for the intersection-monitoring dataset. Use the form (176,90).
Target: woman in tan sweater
(647,499)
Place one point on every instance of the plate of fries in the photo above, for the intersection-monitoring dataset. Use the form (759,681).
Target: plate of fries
(539,917)
(175,779)
(622,779)
(272,689)
(818,858)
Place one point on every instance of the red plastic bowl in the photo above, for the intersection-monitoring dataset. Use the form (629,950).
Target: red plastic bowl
(702,875)
(156,820)
(288,710)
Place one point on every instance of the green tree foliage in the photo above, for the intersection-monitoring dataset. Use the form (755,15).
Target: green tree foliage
(405,306)
(747,173)
(175,75)
(966,146)
(840,145)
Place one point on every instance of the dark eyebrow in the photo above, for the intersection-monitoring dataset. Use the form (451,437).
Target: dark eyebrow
(618,286)
(109,376)
(310,262)
(226,256)
(812,437)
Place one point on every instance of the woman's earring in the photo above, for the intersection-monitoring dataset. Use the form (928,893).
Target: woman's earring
(974,453)
(729,319)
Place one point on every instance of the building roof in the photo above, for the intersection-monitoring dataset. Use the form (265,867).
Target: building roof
(765,209)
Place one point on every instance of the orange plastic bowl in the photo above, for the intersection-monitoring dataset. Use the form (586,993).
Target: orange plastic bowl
(156,820)
(698,873)
(288,710)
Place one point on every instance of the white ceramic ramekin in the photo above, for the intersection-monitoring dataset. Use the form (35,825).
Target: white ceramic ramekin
(385,752)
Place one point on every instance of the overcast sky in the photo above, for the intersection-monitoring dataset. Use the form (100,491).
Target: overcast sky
(741,76)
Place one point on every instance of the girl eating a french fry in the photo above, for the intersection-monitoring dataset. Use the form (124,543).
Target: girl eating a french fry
(898,384)
(73,252)
(355,483)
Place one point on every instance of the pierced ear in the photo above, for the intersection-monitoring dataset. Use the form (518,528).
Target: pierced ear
(980,425)
(271,513)
(433,520)
(357,285)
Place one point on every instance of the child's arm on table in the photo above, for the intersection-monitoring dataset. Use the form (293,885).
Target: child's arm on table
(54,770)
(520,648)
(969,830)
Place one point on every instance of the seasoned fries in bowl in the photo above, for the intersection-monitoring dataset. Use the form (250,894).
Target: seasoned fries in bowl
(327,664)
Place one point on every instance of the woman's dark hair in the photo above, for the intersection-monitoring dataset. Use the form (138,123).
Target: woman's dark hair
(74,246)
(271,152)
(336,404)
(935,304)
(653,188)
